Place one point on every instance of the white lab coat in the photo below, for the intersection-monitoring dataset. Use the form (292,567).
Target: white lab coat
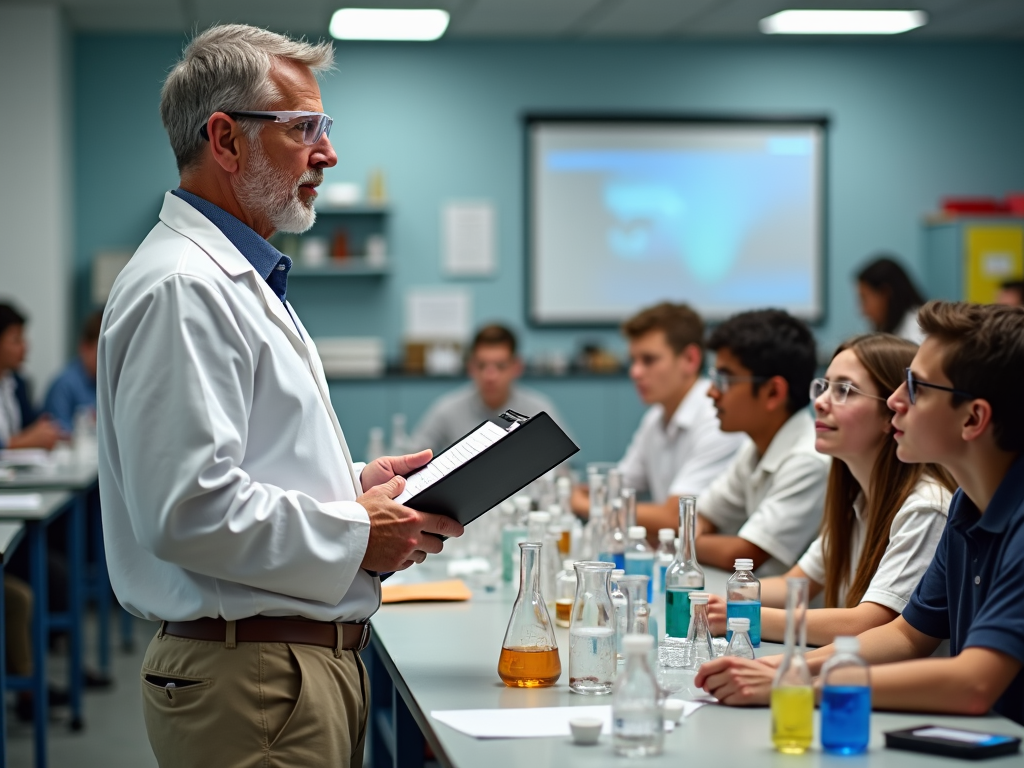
(226,484)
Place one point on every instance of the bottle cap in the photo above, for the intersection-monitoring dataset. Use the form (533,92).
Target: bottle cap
(567,565)
(563,482)
(744,564)
(736,624)
(846,644)
(666,534)
(618,573)
(523,503)
(555,530)
(635,643)
(539,517)
(554,510)
(699,598)
(637,532)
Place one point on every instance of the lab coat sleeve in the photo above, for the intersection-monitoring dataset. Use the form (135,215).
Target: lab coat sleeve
(182,378)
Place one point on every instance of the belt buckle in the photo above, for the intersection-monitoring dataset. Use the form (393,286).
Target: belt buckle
(364,638)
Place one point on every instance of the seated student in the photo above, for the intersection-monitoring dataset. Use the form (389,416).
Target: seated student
(75,387)
(889,299)
(960,407)
(494,366)
(1011,293)
(767,504)
(20,425)
(883,518)
(678,448)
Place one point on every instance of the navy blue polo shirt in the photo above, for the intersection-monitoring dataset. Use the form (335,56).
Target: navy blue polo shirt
(973,592)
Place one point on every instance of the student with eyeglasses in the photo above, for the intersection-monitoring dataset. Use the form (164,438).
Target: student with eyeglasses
(960,407)
(766,506)
(883,518)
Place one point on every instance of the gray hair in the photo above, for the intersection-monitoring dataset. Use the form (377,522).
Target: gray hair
(226,69)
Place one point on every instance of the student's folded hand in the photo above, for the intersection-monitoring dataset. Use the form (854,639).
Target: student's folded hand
(717,614)
(735,681)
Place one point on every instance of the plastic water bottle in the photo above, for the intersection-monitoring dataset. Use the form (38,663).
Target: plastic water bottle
(846,700)
(621,605)
(639,558)
(663,559)
(743,596)
(739,644)
(638,726)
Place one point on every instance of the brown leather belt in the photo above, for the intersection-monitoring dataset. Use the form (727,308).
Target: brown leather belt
(267,629)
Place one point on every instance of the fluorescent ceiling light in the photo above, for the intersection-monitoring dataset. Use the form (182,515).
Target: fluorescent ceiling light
(388,24)
(842,22)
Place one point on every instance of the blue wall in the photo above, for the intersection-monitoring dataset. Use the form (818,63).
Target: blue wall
(910,123)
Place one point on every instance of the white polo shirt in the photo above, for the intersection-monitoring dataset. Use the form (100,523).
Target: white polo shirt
(913,537)
(680,458)
(774,501)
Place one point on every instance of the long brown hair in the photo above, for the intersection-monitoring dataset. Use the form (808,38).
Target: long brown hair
(885,358)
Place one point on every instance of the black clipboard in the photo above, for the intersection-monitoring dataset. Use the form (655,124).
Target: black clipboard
(534,445)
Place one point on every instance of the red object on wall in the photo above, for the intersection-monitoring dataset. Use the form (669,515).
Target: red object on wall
(1015,202)
(974,206)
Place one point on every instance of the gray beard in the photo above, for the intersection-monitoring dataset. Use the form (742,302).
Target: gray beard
(266,193)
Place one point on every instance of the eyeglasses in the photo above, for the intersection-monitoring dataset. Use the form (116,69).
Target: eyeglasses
(313,125)
(838,391)
(721,380)
(913,383)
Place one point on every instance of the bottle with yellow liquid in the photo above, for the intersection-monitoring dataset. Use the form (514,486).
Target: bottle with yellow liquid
(792,688)
(529,654)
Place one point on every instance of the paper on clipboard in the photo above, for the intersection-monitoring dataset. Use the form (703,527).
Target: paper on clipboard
(477,441)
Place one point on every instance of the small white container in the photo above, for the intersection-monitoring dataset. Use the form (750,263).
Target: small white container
(586,731)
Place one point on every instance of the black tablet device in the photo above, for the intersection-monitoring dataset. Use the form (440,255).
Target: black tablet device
(952,742)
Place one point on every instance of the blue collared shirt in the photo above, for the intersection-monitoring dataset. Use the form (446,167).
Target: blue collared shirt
(272,265)
(973,593)
(71,390)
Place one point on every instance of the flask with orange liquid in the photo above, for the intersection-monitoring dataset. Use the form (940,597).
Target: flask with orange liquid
(529,654)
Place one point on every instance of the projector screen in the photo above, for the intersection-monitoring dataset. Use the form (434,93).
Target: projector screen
(725,215)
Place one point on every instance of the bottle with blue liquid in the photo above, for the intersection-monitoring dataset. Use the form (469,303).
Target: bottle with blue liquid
(743,596)
(663,559)
(639,558)
(846,700)
(684,576)
(613,541)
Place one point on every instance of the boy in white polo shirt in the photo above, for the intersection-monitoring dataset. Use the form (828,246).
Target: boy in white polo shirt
(767,505)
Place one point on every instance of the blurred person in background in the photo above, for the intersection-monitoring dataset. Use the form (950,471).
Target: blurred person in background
(889,299)
(21,426)
(75,386)
(1011,293)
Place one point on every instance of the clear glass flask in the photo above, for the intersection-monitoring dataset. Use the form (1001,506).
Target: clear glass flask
(846,700)
(529,654)
(621,606)
(638,726)
(739,644)
(663,558)
(684,576)
(590,541)
(638,610)
(639,558)
(699,641)
(592,631)
(565,594)
(743,598)
(792,694)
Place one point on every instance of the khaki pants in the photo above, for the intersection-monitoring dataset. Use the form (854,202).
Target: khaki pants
(272,705)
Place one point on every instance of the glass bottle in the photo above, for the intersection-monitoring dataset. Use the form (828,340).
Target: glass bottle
(846,700)
(513,531)
(613,540)
(684,576)
(551,565)
(637,721)
(663,559)
(628,508)
(743,598)
(565,594)
(639,558)
(637,608)
(739,642)
(699,642)
(792,694)
(592,631)
(569,523)
(591,540)
(621,605)
(537,526)
(529,654)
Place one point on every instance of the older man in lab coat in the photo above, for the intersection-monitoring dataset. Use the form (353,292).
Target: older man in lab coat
(232,510)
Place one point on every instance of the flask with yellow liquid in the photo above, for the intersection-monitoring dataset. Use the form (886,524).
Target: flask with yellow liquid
(529,654)
(792,691)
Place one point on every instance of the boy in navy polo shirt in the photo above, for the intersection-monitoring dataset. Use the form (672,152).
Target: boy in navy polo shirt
(962,407)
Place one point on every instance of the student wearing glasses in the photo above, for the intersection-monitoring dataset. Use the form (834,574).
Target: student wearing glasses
(883,518)
(767,504)
(959,407)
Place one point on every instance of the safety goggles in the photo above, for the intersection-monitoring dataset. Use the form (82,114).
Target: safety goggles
(312,126)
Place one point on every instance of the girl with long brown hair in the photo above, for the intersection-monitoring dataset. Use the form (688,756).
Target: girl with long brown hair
(883,519)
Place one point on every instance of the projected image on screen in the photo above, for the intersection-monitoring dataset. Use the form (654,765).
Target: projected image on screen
(723,216)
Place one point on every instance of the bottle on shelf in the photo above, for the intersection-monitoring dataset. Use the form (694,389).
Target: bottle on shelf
(639,558)
(846,700)
(621,606)
(700,644)
(743,598)
(529,653)
(592,631)
(565,593)
(739,641)
(792,698)
(684,576)
(638,727)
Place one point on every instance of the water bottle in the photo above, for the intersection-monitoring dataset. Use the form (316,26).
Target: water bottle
(663,559)
(743,595)
(639,558)
(621,606)
(846,700)
(739,643)
(638,726)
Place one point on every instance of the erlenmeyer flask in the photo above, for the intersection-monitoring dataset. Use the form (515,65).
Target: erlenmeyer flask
(592,631)
(792,694)
(529,655)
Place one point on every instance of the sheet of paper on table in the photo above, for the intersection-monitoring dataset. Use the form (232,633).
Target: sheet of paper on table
(17,501)
(25,457)
(529,723)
